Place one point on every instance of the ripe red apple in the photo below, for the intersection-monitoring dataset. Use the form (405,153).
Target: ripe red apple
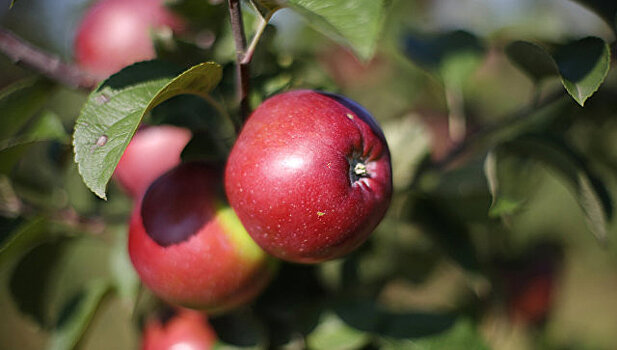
(531,283)
(152,151)
(116,33)
(185,329)
(531,300)
(189,247)
(309,176)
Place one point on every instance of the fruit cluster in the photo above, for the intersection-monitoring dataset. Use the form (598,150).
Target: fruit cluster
(308,180)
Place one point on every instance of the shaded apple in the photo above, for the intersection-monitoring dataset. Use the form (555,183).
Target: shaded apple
(309,176)
(184,329)
(152,151)
(531,283)
(189,247)
(116,33)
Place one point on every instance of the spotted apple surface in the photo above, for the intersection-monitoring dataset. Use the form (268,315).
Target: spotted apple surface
(309,176)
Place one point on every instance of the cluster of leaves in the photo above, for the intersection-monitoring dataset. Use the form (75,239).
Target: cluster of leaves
(63,254)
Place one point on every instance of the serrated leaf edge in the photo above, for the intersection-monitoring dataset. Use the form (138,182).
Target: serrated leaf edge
(153,102)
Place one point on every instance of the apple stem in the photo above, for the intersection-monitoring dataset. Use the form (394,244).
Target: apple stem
(19,51)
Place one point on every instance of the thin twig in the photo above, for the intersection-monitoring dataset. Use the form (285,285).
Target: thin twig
(456,113)
(478,136)
(21,52)
(237,27)
(242,69)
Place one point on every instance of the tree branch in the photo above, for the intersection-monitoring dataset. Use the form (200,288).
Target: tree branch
(242,67)
(43,62)
(476,138)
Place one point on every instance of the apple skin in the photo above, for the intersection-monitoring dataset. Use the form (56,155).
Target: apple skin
(290,176)
(116,33)
(186,330)
(531,301)
(189,247)
(152,151)
(531,283)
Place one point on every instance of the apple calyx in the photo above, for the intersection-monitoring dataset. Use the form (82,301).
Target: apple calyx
(357,170)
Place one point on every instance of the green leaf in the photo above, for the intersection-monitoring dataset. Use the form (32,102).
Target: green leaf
(463,335)
(453,55)
(354,23)
(509,179)
(78,315)
(532,59)
(333,333)
(46,128)
(22,240)
(590,193)
(113,112)
(33,279)
(583,66)
(19,103)
(47,277)
(12,3)
(266,8)
(367,316)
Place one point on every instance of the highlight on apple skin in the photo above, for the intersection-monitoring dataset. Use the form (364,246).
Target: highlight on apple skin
(116,33)
(309,176)
(184,329)
(152,151)
(189,247)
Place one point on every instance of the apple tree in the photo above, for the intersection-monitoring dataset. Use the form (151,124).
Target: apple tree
(483,135)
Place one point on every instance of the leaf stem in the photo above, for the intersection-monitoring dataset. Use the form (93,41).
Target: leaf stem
(248,55)
(19,51)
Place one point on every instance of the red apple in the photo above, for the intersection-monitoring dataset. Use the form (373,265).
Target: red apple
(186,330)
(531,299)
(531,283)
(189,247)
(152,151)
(309,176)
(116,33)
